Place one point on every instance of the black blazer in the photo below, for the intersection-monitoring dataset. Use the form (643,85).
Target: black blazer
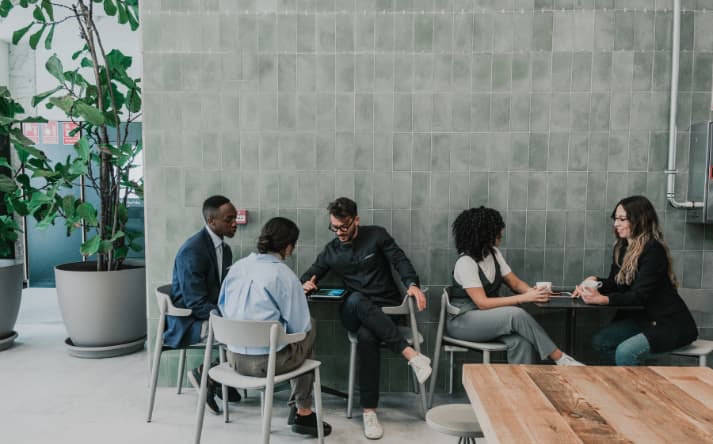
(666,321)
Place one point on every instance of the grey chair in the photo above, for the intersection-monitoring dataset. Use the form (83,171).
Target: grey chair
(457,420)
(253,334)
(452,345)
(699,348)
(166,308)
(410,332)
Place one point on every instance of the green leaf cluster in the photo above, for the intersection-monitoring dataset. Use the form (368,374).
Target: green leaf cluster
(95,90)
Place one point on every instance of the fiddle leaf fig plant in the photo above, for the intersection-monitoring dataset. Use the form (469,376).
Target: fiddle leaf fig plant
(96,91)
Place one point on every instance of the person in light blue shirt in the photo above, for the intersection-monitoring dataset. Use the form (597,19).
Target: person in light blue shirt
(260,287)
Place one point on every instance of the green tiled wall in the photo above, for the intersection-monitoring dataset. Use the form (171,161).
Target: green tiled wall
(548,110)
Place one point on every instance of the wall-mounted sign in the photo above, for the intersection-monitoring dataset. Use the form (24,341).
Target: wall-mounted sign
(49,133)
(31,131)
(68,139)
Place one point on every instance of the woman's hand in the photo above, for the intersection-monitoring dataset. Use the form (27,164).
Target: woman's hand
(577,293)
(535,295)
(591,296)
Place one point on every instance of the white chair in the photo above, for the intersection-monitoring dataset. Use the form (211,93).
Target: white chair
(457,420)
(699,348)
(166,308)
(452,345)
(410,332)
(253,334)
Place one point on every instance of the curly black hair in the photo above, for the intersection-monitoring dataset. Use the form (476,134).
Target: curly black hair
(475,231)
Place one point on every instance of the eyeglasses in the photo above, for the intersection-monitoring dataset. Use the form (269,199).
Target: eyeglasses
(619,218)
(341,228)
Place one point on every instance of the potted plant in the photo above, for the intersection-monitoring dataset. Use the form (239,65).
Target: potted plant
(102,301)
(11,270)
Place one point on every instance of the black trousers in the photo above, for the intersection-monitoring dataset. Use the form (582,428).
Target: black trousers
(365,318)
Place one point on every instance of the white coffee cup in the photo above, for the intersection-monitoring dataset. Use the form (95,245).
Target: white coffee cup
(544,285)
(588,285)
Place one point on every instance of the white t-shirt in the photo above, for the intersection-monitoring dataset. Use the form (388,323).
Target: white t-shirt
(466,269)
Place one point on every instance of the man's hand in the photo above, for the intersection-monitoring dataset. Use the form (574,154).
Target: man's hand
(310,285)
(416,292)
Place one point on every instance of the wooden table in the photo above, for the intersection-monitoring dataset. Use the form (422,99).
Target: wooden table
(552,404)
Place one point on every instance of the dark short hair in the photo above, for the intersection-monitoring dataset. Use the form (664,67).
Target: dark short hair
(212,204)
(342,207)
(277,234)
(476,230)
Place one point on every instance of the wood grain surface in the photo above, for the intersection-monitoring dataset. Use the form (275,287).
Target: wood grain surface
(551,404)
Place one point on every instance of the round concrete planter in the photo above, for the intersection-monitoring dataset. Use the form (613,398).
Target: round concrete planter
(102,309)
(11,275)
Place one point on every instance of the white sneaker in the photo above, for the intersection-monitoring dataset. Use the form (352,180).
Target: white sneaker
(568,360)
(421,366)
(372,426)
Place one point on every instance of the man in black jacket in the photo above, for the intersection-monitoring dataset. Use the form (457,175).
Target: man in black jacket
(362,256)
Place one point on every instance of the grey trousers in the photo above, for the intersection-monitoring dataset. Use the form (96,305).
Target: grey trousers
(287,359)
(512,325)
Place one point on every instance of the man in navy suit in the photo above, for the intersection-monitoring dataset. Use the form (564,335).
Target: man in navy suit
(200,266)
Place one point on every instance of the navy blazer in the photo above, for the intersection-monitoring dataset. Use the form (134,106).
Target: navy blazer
(196,284)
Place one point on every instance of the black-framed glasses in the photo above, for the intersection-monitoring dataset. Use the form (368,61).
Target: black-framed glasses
(341,228)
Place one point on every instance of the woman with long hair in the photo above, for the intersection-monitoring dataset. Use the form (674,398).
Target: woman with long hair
(261,287)
(484,315)
(641,274)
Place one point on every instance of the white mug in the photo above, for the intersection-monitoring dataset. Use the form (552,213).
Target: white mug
(545,285)
(589,285)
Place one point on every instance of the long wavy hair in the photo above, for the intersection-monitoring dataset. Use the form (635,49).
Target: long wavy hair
(476,230)
(644,225)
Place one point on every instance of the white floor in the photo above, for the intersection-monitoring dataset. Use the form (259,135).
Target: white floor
(47,396)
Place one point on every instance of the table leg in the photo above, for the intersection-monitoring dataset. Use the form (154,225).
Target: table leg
(571,323)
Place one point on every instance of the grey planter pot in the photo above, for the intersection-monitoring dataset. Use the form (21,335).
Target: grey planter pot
(11,275)
(102,309)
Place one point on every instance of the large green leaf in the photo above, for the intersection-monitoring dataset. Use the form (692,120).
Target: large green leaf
(20,33)
(47,6)
(65,103)
(91,246)
(38,15)
(89,113)
(109,7)
(49,37)
(54,67)
(82,148)
(87,212)
(7,185)
(35,38)
(5,7)
(42,96)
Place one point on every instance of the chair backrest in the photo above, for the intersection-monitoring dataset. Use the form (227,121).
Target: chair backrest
(450,308)
(165,304)
(251,333)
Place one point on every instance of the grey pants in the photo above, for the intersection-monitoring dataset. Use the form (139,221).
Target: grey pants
(512,325)
(287,359)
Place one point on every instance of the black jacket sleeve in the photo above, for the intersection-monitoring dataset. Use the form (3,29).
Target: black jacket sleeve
(398,260)
(653,264)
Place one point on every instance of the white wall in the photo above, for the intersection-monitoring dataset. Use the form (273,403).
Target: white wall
(66,41)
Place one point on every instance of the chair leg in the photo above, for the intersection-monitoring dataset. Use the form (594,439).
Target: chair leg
(352,371)
(317,395)
(486,356)
(702,361)
(434,374)
(267,412)
(450,380)
(203,394)
(181,370)
(223,387)
(154,376)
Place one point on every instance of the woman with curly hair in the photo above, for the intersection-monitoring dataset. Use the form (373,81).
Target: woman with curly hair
(641,274)
(484,315)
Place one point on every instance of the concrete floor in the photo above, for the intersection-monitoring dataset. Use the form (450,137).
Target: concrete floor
(47,396)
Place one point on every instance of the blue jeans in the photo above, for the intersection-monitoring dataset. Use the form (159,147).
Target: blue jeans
(621,343)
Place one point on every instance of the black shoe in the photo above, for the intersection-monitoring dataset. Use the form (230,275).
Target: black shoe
(291,415)
(233,394)
(195,378)
(307,425)
(211,404)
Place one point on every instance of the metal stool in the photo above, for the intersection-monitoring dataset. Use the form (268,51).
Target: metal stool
(457,420)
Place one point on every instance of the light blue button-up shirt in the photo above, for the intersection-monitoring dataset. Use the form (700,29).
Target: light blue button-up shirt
(260,287)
